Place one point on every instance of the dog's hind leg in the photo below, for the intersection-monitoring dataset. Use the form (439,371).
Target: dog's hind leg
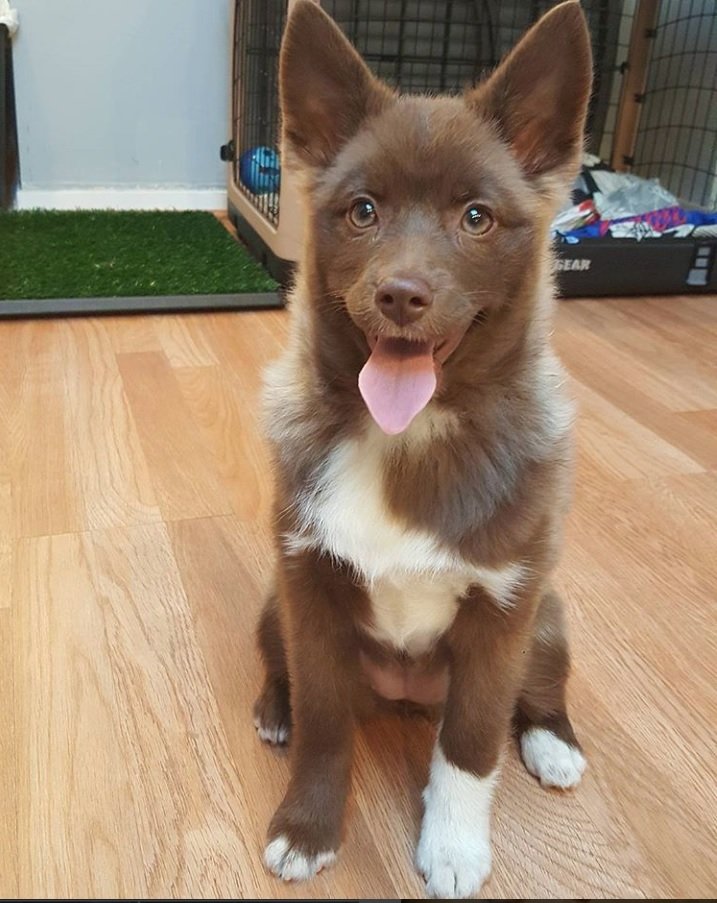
(272,710)
(548,745)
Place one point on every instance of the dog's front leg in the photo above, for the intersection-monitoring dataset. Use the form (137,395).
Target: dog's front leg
(486,645)
(315,597)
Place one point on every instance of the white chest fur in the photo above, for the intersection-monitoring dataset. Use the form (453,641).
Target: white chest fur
(413,580)
(410,613)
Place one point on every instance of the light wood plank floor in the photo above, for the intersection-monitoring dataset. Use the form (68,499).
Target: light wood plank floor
(134,500)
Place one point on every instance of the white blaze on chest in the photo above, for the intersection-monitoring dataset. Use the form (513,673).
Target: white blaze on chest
(411,613)
(413,580)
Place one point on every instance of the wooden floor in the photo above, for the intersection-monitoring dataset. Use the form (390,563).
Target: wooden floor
(134,497)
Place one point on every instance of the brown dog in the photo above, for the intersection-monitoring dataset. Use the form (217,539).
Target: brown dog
(420,435)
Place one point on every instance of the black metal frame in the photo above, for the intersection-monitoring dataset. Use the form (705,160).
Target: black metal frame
(9,156)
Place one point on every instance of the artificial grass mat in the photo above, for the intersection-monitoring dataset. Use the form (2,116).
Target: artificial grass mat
(105,254)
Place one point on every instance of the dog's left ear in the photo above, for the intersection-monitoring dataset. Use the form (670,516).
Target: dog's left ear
(538,96)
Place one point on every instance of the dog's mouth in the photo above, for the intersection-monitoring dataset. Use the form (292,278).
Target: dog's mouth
(401,375)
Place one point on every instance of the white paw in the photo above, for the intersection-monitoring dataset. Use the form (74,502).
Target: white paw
(553,761)
(453,853)
(453,866)
(292,865)
(276,736)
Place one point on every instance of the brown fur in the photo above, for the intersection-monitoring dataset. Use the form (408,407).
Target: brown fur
(494,487)
(321,641)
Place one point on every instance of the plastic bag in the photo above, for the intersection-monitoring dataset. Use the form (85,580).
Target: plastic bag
(633,197)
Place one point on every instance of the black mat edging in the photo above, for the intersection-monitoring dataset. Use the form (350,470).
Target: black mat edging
(58,307)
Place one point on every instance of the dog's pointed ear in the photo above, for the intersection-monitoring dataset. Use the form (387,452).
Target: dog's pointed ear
(326,88)
(538,95)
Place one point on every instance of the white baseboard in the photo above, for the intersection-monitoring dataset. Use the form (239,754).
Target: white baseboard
(122,199)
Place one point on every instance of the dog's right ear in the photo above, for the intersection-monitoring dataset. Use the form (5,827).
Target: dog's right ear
(326,88)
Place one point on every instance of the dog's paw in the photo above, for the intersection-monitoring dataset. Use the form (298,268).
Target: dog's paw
(290,864)
(553,761)
(273,734)
(453,866)
(272,716)
(453,852)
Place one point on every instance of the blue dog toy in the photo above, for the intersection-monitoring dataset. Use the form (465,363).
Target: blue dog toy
(259,170)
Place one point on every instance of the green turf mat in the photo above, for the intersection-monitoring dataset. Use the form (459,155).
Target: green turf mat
(97,253)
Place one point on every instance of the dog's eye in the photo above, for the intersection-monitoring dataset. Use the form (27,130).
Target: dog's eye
(362,213)
(477,220)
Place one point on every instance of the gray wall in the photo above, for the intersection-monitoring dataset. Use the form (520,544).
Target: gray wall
(122,93)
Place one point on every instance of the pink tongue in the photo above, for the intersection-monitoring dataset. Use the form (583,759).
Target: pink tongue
(397,382)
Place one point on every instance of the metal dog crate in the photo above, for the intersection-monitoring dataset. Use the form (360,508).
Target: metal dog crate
(653,112)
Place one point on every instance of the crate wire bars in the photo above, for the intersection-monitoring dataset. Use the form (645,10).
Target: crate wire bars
(653,110)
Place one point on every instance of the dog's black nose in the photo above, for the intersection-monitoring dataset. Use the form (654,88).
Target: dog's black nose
(403,300)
